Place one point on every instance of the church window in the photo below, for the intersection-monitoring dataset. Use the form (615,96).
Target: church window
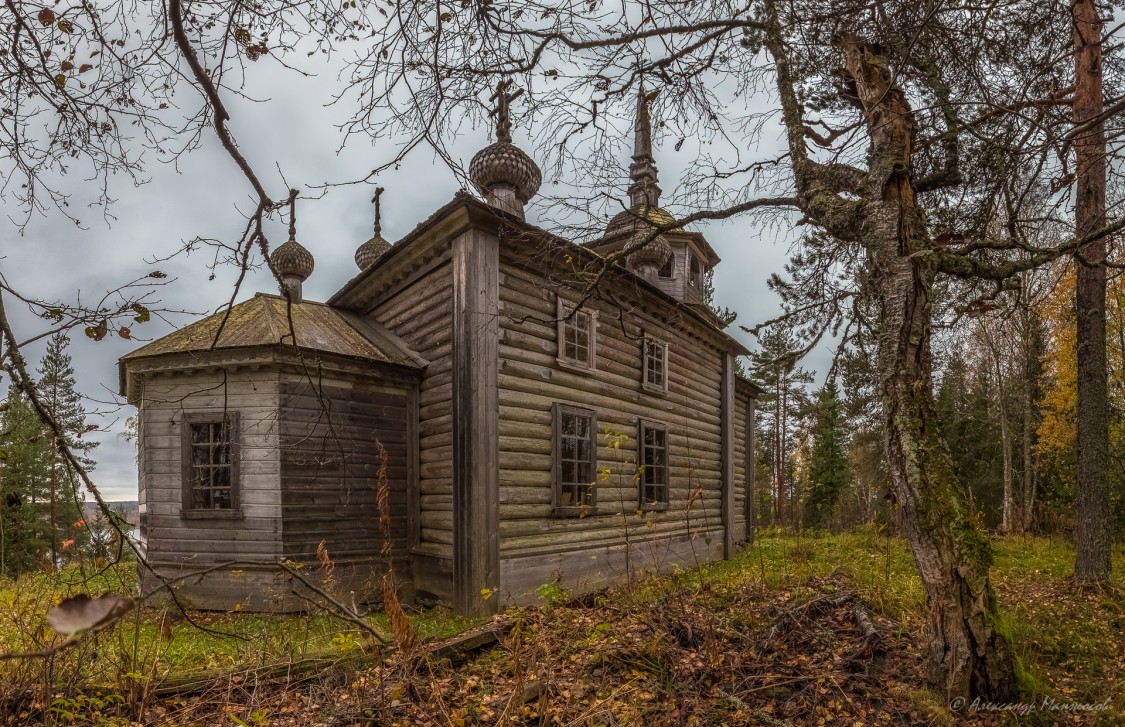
(695,280)
(577,335)
(655,364)
(575,458)
(653,457)
(210,463)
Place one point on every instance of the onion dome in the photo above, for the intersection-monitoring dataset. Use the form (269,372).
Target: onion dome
(370,251)
(643,249)
(503,172)
(291,261)
(504,163)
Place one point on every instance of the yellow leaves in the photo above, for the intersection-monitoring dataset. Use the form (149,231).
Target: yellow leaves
(97,332)
(1059,403)
(143,313)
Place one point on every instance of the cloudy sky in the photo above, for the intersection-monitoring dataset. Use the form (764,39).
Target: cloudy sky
(292,130)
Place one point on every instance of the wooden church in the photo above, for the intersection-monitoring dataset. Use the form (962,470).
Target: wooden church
(539,411)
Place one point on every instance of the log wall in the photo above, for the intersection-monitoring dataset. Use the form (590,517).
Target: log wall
(537,546)
(742,484)
(330,464)
(420,313)
(176,545)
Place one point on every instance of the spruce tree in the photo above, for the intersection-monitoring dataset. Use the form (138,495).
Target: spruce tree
(828,469)
(24,456)
(58,393)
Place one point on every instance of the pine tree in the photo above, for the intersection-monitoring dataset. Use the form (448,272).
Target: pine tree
(24,533)
(58,393)
(828,467)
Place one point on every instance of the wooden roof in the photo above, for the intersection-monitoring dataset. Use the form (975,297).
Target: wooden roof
(264,321)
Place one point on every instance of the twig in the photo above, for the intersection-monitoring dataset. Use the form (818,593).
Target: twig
(343,611)
(791,617)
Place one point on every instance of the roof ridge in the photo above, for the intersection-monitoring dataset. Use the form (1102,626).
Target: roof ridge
(270,313)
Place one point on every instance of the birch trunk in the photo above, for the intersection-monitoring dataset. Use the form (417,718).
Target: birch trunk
(1007,509)
(968,655)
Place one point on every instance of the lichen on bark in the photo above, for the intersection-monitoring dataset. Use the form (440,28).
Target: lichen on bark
(969,655)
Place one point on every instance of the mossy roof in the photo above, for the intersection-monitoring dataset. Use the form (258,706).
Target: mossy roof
(264,321)
(652,214)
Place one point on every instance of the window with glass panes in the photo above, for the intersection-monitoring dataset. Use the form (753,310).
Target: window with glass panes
(576,337)
(577,342)
(654,464)
(210,462)
(575,448)
(655,364)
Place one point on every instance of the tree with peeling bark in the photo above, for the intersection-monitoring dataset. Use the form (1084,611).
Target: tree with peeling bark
(968,653)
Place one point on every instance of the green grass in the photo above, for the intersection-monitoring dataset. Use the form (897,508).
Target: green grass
(135,649)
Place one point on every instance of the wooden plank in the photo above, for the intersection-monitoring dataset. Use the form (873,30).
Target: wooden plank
(573,569)
(476,330)
(727,451)
(539,366)
(413,526)
(433,573)
(330,461)
(517,391)
(750,468)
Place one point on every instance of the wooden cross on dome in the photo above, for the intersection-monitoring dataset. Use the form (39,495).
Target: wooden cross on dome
(378,217)
(502,112)
(293,214)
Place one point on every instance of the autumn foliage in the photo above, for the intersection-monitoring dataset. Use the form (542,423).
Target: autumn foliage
(1056,446)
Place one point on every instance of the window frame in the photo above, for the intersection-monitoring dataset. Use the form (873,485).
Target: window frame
(670,266)
(559,509)
(696,271)
(646,342)
(563,310)
(187,511)
(643,426)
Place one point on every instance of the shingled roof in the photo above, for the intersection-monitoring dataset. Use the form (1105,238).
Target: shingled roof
(264,321)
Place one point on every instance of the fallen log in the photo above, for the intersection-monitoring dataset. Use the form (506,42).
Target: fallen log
(455,648)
